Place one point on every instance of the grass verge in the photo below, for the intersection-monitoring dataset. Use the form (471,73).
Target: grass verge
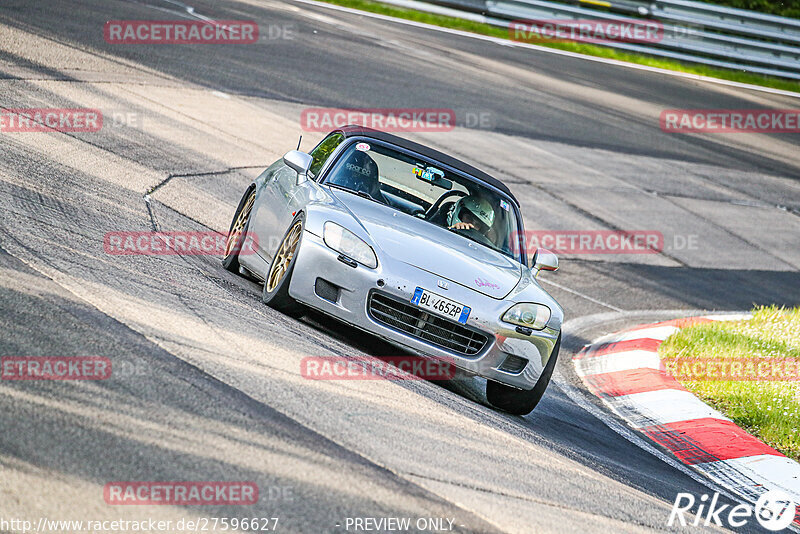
(766,409)
(784,8)
(582,48)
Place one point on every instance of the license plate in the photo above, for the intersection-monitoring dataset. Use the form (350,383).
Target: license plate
(440,305)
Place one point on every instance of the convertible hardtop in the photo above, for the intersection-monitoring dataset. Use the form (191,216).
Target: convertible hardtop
(427,152)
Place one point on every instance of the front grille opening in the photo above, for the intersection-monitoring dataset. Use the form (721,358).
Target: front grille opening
(419,324)
(326,290)
(513,364)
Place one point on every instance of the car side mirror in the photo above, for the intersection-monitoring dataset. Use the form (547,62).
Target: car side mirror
(300,162)
(543,260)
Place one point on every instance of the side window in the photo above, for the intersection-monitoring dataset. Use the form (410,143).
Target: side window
(323,150)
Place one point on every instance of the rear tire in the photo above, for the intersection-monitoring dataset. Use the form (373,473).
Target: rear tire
(517,401)
(238,230)
(279,275)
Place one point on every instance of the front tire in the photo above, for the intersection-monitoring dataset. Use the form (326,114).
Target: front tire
(238,231)
(521,402)
(279,275)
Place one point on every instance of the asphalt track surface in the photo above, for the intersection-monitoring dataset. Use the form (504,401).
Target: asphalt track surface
(208,386)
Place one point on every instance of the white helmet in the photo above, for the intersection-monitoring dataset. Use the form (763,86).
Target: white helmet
(479,207)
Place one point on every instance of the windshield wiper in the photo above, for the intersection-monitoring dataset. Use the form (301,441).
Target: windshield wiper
(362,194)
(487,245)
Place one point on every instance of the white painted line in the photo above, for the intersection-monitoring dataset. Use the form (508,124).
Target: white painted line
(618,361)
(582,295)
(661,407)
(515,44)
(747,477)
(637,439)
(772,472)
(657,332)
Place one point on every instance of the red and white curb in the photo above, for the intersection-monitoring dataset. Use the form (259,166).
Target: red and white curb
(624,370)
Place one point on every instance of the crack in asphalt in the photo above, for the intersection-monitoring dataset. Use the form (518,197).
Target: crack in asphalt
(337,347)
(736,202)
(152,216)
(147,200)
(227,170)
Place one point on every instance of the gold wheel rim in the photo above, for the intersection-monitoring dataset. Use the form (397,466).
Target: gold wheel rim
(284,257)
(238,226)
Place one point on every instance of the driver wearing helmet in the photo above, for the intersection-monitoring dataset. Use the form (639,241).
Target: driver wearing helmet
(471,213)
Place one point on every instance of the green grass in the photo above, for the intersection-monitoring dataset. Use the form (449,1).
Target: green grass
(784,8)
(583,48)
(767,409)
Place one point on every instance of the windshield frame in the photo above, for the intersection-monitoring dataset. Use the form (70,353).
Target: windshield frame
(350,141)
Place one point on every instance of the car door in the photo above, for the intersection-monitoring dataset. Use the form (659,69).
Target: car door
(270,217)
(280,197)
(309,190)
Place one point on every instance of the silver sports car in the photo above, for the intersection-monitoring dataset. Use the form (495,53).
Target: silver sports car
(408,244)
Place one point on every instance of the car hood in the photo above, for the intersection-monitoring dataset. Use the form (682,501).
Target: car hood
(433,248)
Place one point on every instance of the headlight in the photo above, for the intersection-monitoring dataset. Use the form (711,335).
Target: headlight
(346,242)
(529,315)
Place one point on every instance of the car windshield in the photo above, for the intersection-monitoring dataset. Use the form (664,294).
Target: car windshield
(422,189)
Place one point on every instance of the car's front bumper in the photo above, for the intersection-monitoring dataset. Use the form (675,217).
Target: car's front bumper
(399,280)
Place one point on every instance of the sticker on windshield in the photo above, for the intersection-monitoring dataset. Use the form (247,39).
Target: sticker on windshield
(363,147)
(430,174)
(504,205)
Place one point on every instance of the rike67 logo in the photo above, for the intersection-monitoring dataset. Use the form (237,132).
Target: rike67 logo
(774,510)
